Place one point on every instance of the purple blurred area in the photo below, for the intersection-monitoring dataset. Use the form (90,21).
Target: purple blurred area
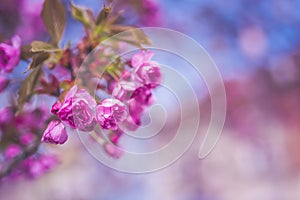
(256,46)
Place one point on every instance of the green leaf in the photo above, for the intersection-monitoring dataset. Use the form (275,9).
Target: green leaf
(103,14)
(26,52)
(38,60)
(27,88)
(54,18)
(39,46)
(83,15)
(131,35)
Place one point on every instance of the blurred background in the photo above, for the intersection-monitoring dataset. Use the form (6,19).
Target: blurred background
(256,46)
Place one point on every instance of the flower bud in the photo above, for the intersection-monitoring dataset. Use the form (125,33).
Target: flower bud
(55,133)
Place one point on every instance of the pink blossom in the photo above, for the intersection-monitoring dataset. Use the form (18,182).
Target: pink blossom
(140,58)
(110,112)
(83,116)
(77,109)
(10,54)
(111,86)
(65,113)
(139,100)
(136,110)
(123,90)
(56,106)
(55,133)
(143,95)
(146,71)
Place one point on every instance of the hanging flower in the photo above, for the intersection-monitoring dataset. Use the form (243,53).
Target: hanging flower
(55,133)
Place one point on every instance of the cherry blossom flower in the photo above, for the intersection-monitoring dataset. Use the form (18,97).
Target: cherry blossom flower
(123,90)
(110,112)
(146,71)
(56,106)
(77,109)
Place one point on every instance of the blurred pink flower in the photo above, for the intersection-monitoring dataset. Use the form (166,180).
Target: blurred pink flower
(110,112)
(113,150)
(6,115)
(37,166)
(31,25)
(151,15)
(55,133)
(48,161)
(12,151)
(10,54)
(31,119)
(115,136)
(27,138)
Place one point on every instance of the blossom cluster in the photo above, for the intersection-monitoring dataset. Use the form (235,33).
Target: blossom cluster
(130,96)
(54,70)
